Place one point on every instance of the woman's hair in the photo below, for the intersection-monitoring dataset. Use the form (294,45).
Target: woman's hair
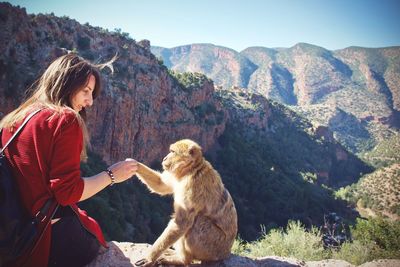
(55,88)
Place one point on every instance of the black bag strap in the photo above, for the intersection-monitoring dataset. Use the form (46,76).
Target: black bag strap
(18,130)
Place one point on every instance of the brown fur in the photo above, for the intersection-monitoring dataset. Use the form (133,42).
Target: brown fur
(204,224)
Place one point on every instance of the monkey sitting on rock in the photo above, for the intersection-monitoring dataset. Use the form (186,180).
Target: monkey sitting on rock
(204,224)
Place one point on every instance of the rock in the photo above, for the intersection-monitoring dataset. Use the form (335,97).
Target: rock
(119,254)
(124,254)
(329,263)
(382,263)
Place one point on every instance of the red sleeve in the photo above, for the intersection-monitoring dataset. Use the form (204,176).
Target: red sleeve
(65,176)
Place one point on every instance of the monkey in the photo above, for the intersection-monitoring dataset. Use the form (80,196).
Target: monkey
(204,223)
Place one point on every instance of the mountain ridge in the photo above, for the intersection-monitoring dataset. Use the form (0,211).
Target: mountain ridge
(362,82)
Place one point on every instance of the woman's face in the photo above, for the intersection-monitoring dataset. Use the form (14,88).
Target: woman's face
(84,96)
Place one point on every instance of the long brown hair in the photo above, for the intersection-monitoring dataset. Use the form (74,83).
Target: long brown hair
(55,88)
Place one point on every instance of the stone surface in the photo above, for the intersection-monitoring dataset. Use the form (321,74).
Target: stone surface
(125,254)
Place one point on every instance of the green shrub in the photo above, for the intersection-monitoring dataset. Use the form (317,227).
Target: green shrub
(356,252)
(189,80)
(374,239)
(384,233)
(294,242)
(239,247)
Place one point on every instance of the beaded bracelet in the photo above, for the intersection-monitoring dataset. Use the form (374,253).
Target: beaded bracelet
(111,174)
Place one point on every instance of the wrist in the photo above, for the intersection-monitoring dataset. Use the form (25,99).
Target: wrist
(111,175)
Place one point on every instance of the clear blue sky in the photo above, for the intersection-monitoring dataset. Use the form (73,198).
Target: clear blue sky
(237,24)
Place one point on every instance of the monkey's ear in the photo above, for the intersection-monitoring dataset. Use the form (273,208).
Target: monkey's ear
(194,151)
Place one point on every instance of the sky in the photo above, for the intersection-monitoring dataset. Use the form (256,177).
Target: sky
(238,24)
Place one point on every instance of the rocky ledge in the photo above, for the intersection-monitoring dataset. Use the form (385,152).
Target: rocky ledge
(124,254)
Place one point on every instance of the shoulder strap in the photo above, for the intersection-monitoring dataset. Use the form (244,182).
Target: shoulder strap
(19,130)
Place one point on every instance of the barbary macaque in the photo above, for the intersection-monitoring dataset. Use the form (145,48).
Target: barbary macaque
(204,224)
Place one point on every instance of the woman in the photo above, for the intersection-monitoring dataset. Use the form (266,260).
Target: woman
(45,158)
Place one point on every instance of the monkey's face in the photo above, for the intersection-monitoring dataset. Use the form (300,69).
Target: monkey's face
(182,157)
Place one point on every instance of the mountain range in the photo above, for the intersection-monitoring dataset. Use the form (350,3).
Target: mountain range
(353,91)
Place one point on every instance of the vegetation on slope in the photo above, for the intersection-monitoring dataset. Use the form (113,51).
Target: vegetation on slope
(377,193)
(372,240)
(273,173)
(386,153)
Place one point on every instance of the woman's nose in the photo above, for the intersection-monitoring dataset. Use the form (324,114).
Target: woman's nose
(89,101)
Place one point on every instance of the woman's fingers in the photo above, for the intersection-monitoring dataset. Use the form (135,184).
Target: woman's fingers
(124,170)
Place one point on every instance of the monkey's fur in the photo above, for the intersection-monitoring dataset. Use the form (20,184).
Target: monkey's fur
(204,224)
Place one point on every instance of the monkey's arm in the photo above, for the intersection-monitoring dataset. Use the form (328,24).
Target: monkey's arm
(153,180)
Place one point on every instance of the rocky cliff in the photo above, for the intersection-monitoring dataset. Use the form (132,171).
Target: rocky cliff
(141,105)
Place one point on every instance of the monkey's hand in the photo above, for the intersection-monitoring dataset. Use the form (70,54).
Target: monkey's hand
(145,263)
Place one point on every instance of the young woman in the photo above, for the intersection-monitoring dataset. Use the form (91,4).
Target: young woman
(46,155)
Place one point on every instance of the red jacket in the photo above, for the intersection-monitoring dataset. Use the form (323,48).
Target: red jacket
(45,158)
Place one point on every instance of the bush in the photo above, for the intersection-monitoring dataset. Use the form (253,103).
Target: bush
(239,247)
(374,239)
(384,233)
(356,253)
(294,242)
(188,80)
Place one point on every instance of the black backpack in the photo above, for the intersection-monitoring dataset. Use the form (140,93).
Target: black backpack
(19,232)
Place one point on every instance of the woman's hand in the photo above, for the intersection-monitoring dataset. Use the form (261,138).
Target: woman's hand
(124,170)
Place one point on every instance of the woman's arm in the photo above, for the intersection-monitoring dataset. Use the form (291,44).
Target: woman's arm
(122,171)
(66,182)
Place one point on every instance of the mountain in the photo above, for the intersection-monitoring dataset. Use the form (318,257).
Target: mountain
(357,84)
(277,165)
(225,66)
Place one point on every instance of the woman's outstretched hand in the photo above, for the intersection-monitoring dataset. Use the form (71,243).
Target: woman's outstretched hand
(124,170)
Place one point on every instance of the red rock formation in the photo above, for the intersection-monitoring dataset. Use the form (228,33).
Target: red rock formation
(140,111)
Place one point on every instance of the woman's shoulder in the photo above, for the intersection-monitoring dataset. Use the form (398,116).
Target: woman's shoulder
(57,116)
(56,112)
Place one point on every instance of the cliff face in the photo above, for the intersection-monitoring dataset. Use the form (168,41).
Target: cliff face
(141,109)
(278,126)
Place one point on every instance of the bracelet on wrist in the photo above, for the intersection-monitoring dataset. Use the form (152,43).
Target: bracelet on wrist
(111,174)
